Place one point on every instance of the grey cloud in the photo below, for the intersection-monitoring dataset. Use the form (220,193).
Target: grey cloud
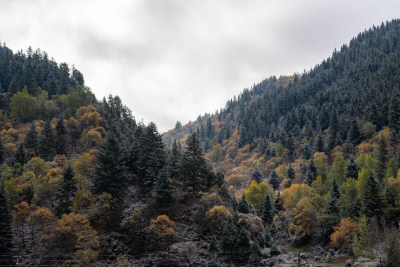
(173,60)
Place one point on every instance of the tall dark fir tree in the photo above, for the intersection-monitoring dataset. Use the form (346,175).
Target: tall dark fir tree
(195,170)
(47,146)
(6,246)
(65,193)
(111,172)
(163,190)
(267,213)
(32,141)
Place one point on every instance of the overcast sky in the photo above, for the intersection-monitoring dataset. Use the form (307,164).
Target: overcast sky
(173,60)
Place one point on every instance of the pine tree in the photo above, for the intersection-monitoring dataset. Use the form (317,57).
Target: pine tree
(352,169)
(381,159)
(47,143)
(256,175)
(151,157)
(354,134)
(195,169)
(278,206)
(163,189)
(209,129)
(319,145)
(32,141)
(213,248)
(66,192)
(372,203)
(333,129)
(228,235)
(394,112)
(267,213)
(332,206)
(20,155)
(243,241)
(61,138)
(111,176)
(255,256)
(273,180)
(6,251)
(175,161)
(275,250)
(311,174)
(393,253)
(243,206)
(1,152)
(361,243)
(290,173)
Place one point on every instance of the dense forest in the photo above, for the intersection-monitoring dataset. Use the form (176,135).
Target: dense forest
(298,169)
(324,143)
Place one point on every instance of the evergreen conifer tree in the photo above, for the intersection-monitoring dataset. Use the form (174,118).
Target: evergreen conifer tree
(213,248)
(352,169)
(255,256)
(290,173)
(394,112)
(381,159)
(311,173)
(20,155)
(151,157)
(195,169)
(1,152)
(354,134)
(319,144)
(393,252)
(47,146)
(163,189)
(243,206)
(333,129)
(278,206)
(66,192)
(332,206)
(175,161)
(256,175)
(243,240)
(111,174)
(372,202)
(267,213)
(6,252)
(61,138)
(228,236)
(273,180)
(32,141)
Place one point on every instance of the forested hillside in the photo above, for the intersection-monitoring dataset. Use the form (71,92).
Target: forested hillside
(305,162)
(81,182)
(324,141)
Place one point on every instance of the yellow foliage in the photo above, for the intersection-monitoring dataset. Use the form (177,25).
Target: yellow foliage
(304,219)
(321,155)
(82,110)
(216,215)
(75,228)
(281,170)
(85,164)
(46,184)
(91,138)
(37,165)
(162,229)
(60,161)
(291,196)
(255,195)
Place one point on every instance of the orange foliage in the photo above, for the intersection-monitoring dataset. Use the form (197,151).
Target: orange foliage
(344,233)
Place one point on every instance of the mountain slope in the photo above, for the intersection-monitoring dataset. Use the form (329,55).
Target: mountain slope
(340,103)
